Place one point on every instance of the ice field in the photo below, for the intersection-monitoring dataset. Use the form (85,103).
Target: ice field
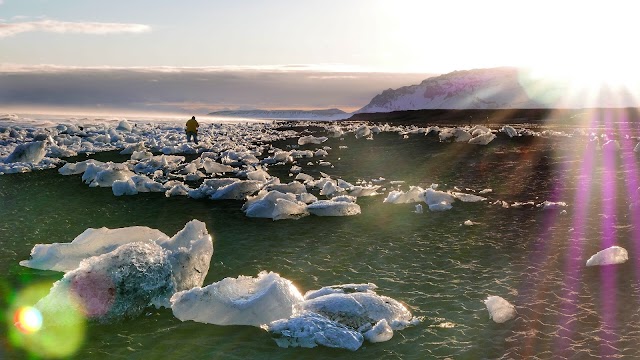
(284,240)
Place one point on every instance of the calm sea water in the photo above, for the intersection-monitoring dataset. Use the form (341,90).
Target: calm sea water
(441,269)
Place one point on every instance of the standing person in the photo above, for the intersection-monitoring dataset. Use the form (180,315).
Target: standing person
(192,130)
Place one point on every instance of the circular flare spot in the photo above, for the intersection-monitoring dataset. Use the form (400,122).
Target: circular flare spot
(28,319)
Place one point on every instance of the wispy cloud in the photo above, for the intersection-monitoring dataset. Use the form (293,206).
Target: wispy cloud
(97,28)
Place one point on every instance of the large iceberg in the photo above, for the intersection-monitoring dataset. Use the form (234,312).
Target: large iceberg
(239,301)
(119,284)
(189,251)
(122,282)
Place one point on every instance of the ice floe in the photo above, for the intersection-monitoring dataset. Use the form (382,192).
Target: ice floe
(609,256)
(239,301)
(310,330)
(500,310)
(339,206)
(115,274)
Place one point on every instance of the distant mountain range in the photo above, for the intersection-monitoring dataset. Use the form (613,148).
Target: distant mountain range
(495,88)
(325,114)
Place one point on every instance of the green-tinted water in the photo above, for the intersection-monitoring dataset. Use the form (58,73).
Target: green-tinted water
(441,269)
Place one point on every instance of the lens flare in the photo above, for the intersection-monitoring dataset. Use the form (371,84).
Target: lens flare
(28,319)
(49,332)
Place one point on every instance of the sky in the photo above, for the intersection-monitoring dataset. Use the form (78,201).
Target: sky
(370,44)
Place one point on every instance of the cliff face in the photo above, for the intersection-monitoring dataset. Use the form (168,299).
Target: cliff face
(496,88)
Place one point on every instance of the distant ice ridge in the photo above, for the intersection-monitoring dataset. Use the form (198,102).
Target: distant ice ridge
(338,316)
(117,273)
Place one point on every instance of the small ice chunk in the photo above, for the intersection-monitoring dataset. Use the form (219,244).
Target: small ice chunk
(468,197)
(238,190)
(124,125)
(363,131)
(500,310)
(340,289)
(361,191)
(400,197)
(258,175)
(212,167)
(509,130)
(294,187)
(304,177)
(274,205)
(333,208)
(609,256)
(303,140)
(32,152)
(549,205)
(441,206)
(124,187)
(482,139)
(439,199)
(106,177)
(419,209)
(360,309)
(310,330)
(238,301)
(380,332)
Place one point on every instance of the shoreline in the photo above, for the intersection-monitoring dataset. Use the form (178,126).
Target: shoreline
(590,117)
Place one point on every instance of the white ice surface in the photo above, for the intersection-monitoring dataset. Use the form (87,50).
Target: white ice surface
(189,251)
(482,139)
(310,139)
(609,256)
(116,285)
(32,152)
(238,190)
(360,310)
(500,310)
(275,205)
(400,197)
(67,256)
(310,330)
(380,332)
(239,301)
(333,208)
